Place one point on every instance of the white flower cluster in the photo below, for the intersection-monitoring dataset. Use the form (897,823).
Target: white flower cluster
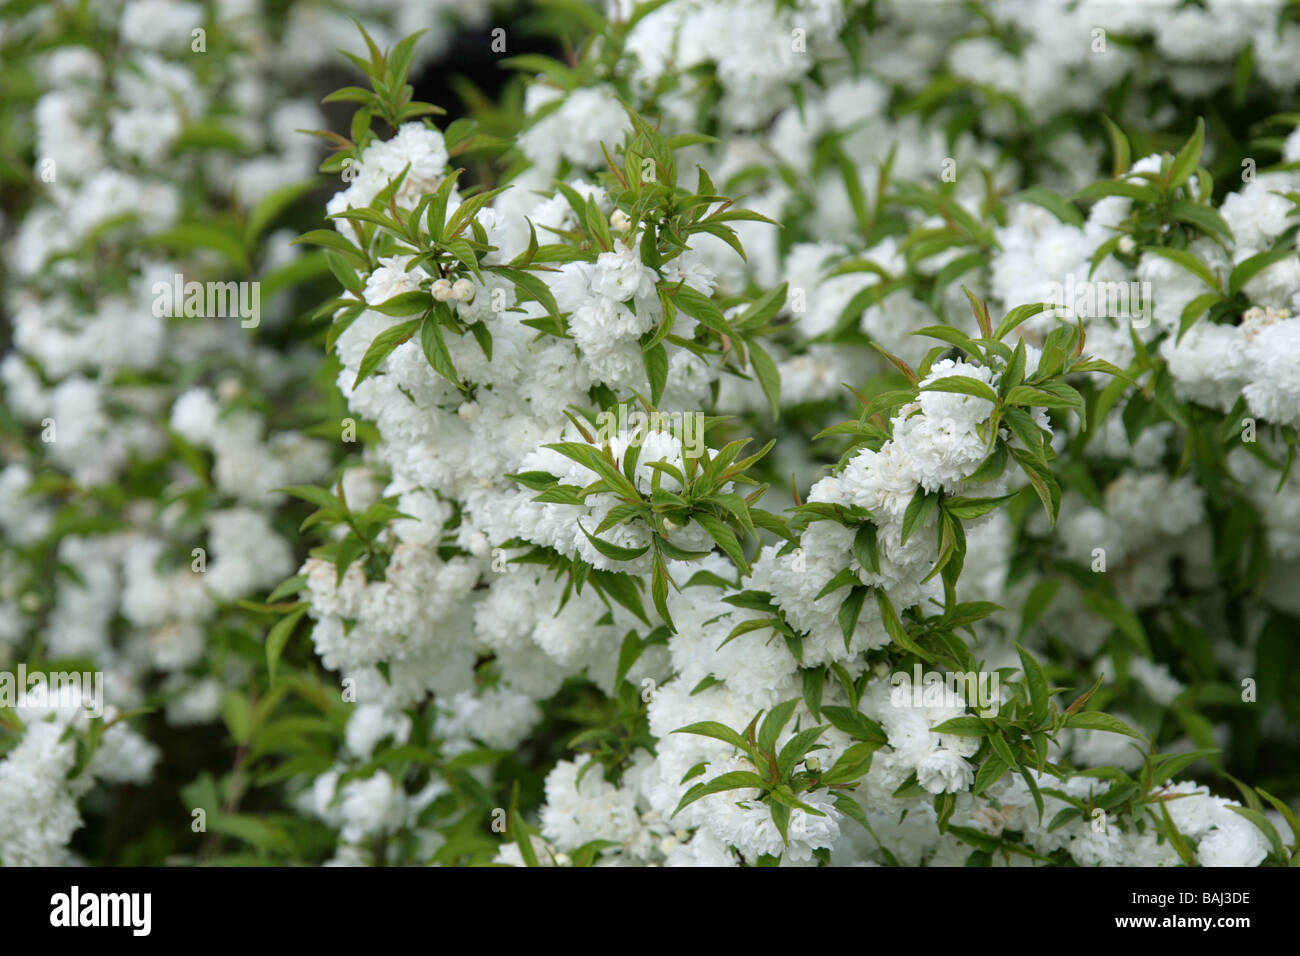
(41,781)
(504,639)
(144,138)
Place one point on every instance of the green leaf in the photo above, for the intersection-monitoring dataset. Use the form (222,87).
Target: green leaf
(780,810)
(726,538)
(1041,397)
(994,465)
(659,589)
(1041,480)
(967,508)
(1287,814)
(735,780)
(946,333)
(238,715)
(350,94)
(1116,187)
(194,235)
(782,795)
(1023,427)
(278,636)
(1058,206)
(435,349)
(1037,602)
(768,376)
(966,726)
(1036,679)
(700,307)
(846,805)
(797,747)
(1188,261)
(918,509)
(1017,316)
(842,578)
(1196,308)
(612,551)
(533,285)
(762,310)
(257,831)
(331,239)
(963,385)
(1202,216)
(317,496)
(849,611)
(853,763)
(894,626)
(1265,827)
(1096,720)
(656,370)
(1119,614)
(977,838)
(1172,765)
(856,724)
(774,723)
(269,207)
(745,627)
(468,209)
(866,549)
(711,728)
(989,773)
(518,830)
(382,346)
(1119,148)
(210,135)
(1247,269)
(1176,839)
(287,587)
(1187,158)
(405,303)
(1032,784)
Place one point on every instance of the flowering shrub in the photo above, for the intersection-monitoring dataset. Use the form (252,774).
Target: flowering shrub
(157,389)
(778,434)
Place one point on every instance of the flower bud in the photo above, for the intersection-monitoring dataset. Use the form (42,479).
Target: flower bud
(441,290)
(620,222)
(463,290)
(1126,245)
(229,389)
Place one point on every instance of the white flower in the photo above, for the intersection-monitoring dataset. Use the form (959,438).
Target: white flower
(391,279)
(621,275)
(462,290)
(943,770)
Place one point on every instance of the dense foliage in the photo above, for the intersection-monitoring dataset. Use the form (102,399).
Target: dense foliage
(770,433)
